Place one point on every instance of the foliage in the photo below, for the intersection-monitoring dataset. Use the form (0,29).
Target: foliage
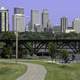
(71,35)
(8,35)
(40,35)
(6,52)
(52,50)
(36,35)
(65,55)
(60,71)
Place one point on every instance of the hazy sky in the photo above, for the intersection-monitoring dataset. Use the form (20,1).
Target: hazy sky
(57,8)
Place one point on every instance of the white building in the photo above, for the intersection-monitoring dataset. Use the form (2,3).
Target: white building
(18,20)
(70,30)
(76,25)
(4,19)
(45,19)
(35,20)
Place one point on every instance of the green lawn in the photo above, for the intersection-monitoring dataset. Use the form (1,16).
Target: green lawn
(61,72)
(11,71)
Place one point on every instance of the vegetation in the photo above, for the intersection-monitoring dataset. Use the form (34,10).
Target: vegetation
(7,51)
(65,55)
(40,35)
(60,72)
(71,35)
(52,50)
(9,36)
(63,72)
(11,71)
(49,36)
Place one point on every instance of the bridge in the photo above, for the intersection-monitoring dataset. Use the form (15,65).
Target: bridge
(36,42)
(35,46)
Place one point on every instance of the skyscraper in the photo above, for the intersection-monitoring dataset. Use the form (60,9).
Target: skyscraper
(18,20)
(76,25)
(18,11)
(35,20)
(4,19)
(45,19)
(64,24)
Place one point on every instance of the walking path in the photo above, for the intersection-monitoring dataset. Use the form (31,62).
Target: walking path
(34,72)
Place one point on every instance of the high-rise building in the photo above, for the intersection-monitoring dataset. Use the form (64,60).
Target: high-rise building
(18,11)
(45,19)
(49,26)
(18,20)
(4,19)
(35,20)
(76,25)
(64,24)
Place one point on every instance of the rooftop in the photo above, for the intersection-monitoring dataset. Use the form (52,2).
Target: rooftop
(3,8)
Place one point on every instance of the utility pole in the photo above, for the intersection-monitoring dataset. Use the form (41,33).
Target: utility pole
(16,45)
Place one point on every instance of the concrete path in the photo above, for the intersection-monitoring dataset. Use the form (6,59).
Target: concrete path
(34,72)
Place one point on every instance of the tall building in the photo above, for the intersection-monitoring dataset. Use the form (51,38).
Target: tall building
(18,11)
(49,26)
(4,20)
(76,25)
(45,19)
(18,20)
(64,24)
(35,20)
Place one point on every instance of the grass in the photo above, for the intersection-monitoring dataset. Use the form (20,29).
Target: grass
(61,72)
(11,71)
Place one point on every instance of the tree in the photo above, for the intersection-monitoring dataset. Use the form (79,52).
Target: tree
(65,55)
(8,35)
(7,51)
(52,47)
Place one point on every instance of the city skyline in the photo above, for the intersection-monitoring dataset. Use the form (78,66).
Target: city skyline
(57,8)
(39,21)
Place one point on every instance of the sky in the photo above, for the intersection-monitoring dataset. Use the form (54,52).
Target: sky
(56,8)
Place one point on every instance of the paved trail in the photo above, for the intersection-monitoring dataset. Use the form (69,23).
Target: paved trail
(34,72)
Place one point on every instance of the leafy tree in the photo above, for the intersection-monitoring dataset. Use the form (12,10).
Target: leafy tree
(71,35)
(52,47)
(7,51)
(8,35)
(65,55)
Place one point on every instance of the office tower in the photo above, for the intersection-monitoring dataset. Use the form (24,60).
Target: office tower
(76,25)
(18,20)
(50,26)
(35,20)
(4,20)
(45,19)
(18,11)
(64,24)
(29,26)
